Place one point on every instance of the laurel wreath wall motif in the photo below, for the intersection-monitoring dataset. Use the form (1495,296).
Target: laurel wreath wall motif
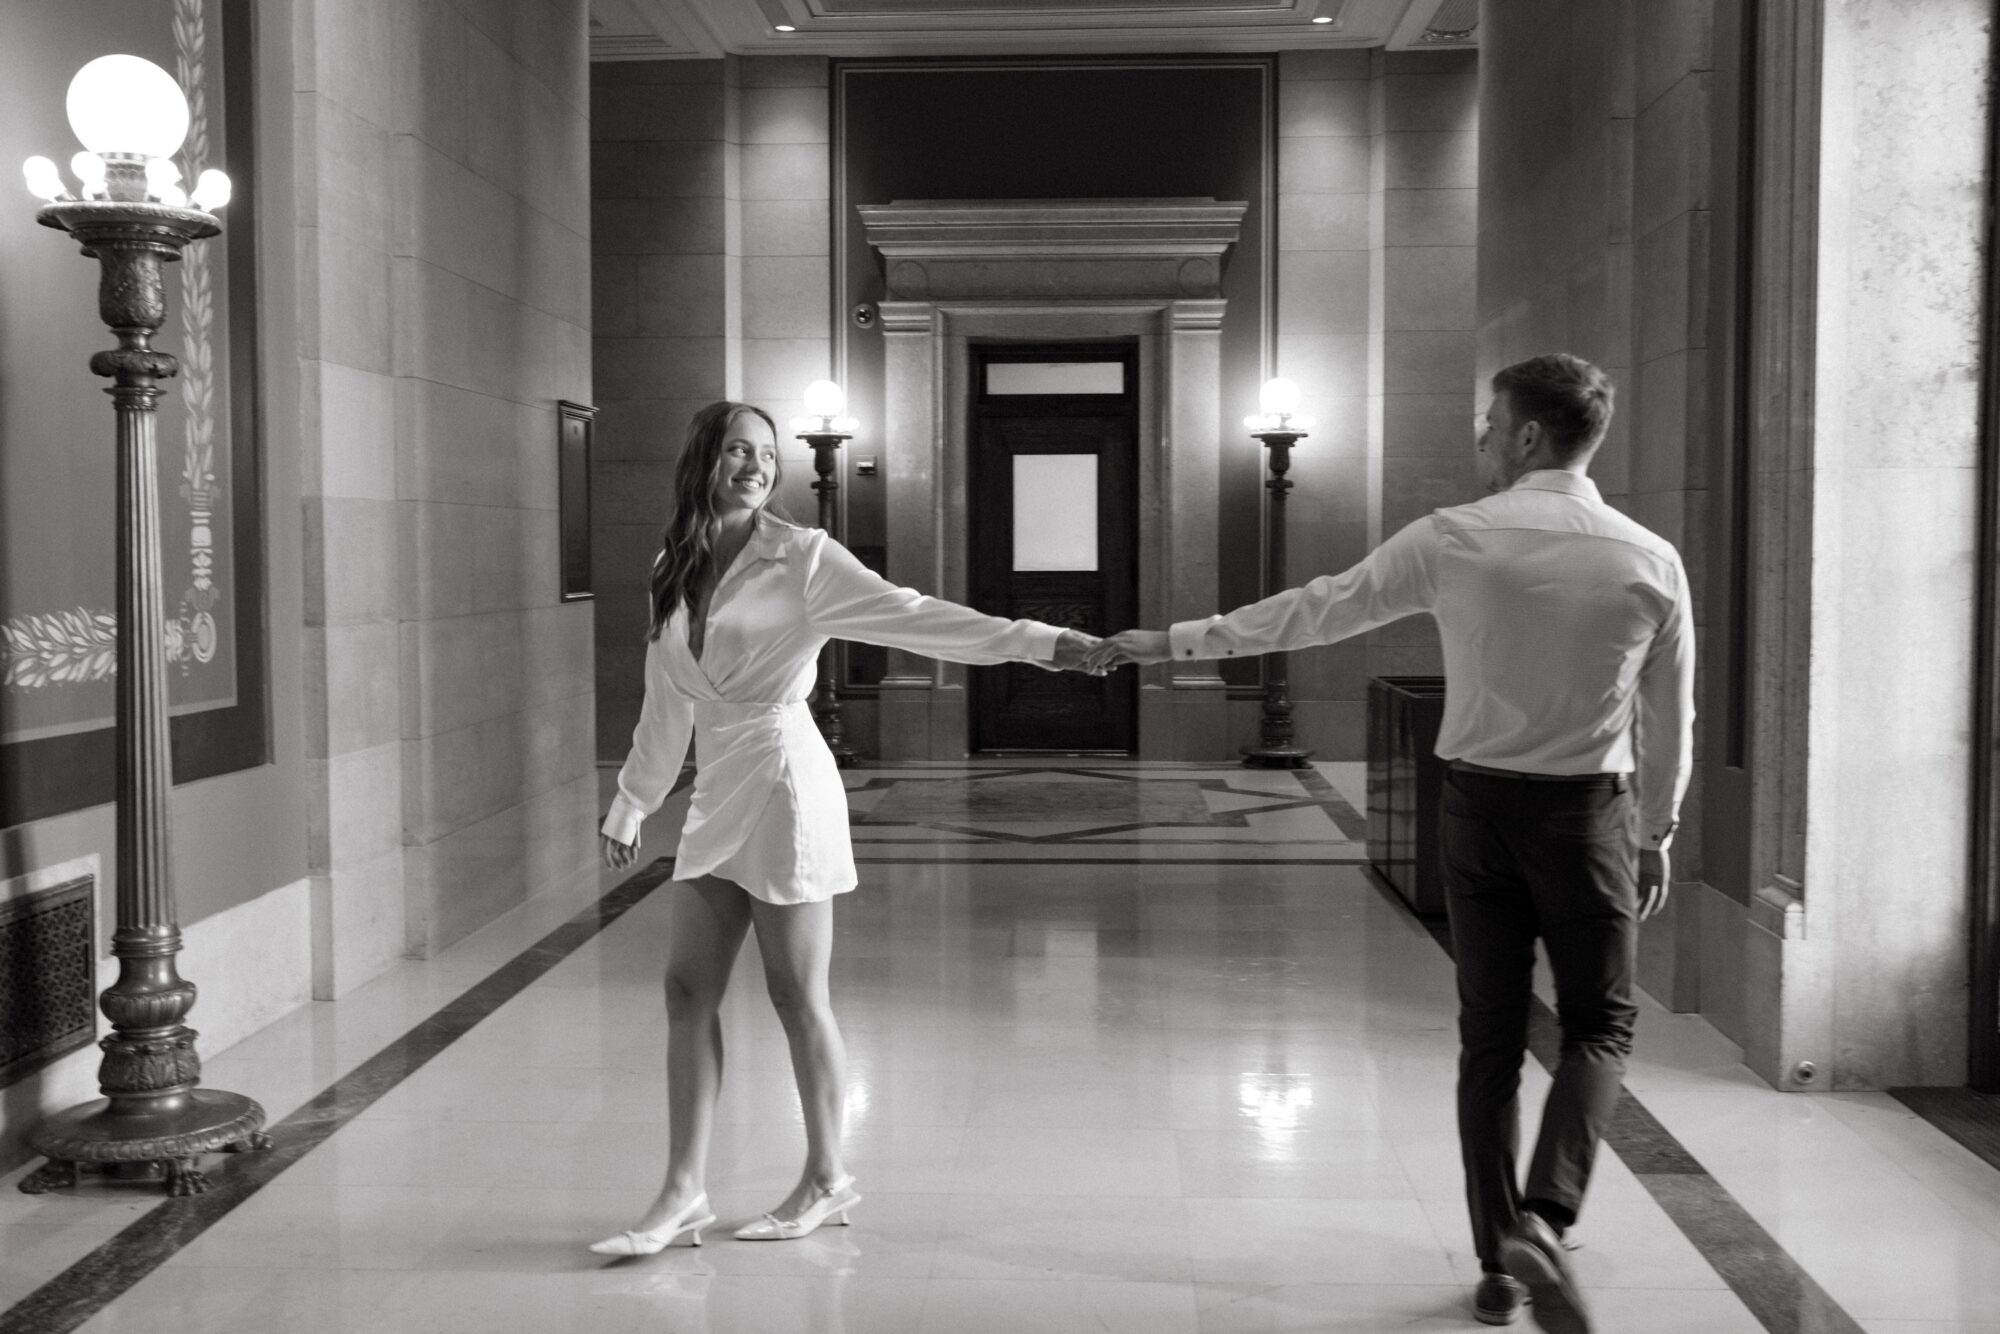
(80,646)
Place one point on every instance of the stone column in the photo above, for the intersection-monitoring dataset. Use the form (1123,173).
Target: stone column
(911,448)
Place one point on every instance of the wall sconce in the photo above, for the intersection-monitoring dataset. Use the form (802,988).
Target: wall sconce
(1279,426)
(824,428)
(131,214)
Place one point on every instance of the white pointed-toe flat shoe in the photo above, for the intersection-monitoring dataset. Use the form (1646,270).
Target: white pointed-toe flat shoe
(694,1217)
(829,1209)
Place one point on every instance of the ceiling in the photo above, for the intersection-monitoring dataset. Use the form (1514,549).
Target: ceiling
(707,29)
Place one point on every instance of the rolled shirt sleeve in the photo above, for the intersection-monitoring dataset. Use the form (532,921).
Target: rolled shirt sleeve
(847,600)
(1398,579)
(1665,720)
(659,748)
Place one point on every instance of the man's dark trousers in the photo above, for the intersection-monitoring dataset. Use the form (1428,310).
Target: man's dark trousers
(1522,859)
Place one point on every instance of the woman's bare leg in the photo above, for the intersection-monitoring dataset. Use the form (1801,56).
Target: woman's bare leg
(796,941)
(706,929)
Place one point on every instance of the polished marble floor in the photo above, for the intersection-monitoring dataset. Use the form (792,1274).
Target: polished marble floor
(1186,1071)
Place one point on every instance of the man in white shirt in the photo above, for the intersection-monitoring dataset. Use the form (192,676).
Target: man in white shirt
(1569,671)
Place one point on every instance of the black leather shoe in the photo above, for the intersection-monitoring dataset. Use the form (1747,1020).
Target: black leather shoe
(1498,1299)
(1533,1253)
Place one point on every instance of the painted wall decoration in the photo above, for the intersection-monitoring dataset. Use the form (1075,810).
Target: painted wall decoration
(57,479)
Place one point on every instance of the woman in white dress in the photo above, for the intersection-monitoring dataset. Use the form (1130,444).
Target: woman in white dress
(742,603)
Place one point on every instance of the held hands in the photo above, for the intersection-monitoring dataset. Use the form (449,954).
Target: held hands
(1654,882)
(1133,646)
(1073,651)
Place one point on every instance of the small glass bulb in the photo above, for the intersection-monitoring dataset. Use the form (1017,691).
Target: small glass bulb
(162,175)
(804,425)
(88,168)
(1301,424)
(44,180)
(824,398)
(847,425)
(173,197)
(211,190)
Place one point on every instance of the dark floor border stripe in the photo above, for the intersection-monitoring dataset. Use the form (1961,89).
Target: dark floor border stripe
(1783,1297)
(1967,1115)
(101,1277)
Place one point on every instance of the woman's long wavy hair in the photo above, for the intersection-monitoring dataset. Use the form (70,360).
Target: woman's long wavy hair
(686,561)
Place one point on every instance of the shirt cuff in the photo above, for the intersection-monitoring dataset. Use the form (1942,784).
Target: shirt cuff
(1184,638)
(1043,642)
(621,823)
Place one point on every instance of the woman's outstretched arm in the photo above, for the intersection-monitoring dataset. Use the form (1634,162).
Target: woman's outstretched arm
(847,600)
(659,745)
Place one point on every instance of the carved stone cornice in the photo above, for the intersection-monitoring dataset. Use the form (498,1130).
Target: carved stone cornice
(1053,249)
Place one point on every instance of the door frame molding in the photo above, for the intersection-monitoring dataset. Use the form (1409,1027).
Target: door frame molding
(1040,271)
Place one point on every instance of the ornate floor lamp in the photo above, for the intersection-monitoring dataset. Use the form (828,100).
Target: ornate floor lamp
(1279,427)
(825,429)
(133,217)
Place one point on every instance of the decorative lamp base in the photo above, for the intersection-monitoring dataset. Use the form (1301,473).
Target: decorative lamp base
(1276,757)
(146,1147)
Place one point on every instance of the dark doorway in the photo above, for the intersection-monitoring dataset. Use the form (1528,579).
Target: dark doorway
(1055,535)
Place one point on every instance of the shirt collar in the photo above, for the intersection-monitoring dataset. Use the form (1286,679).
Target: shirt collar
(1559,480)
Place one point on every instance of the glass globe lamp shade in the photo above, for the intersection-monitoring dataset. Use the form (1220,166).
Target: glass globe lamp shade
(127,105)
(824,398)
(1279,396)
(44,181)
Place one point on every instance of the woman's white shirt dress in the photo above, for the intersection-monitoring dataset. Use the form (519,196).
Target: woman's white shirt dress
(769,811)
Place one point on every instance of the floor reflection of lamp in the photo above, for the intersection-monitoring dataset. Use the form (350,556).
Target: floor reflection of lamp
(1280,427)
(825,429)
(132,216)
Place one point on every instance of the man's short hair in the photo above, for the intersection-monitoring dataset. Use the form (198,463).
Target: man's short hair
(1570,398)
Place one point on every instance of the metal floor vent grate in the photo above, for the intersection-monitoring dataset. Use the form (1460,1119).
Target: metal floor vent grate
(48,976)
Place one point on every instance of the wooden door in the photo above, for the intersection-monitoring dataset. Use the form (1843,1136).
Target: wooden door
(1055,501)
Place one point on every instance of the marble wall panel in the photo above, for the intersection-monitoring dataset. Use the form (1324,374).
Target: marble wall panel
(1323,107)
(1308,221)
(786,227)
(785,171)
(680,226)
(357,431)
(460,670)
(786,297)
(429,100)
(653,111)
(351,567)
(1672,38)
(1671,162)
(1300,66)
(783,72)
(1324,292)
(468,448)
(1431,217)
(356,813)
(657,169)
(644,428)
(1324,165)
(786,115)
(359,920)
(1431,160)
(1428,288)
(351,692)
(633,368)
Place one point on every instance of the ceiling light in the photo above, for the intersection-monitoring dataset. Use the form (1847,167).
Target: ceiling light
(1324,18)
(786,27)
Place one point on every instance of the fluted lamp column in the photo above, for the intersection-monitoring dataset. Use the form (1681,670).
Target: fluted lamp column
(824,429)
(1279,427)
(132,216)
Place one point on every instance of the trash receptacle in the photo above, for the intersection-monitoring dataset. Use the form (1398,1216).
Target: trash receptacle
(1405,778)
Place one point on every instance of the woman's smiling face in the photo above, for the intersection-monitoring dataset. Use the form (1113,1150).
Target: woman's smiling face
(748,468)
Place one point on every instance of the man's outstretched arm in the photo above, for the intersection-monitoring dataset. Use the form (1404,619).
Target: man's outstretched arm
(1398,579)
